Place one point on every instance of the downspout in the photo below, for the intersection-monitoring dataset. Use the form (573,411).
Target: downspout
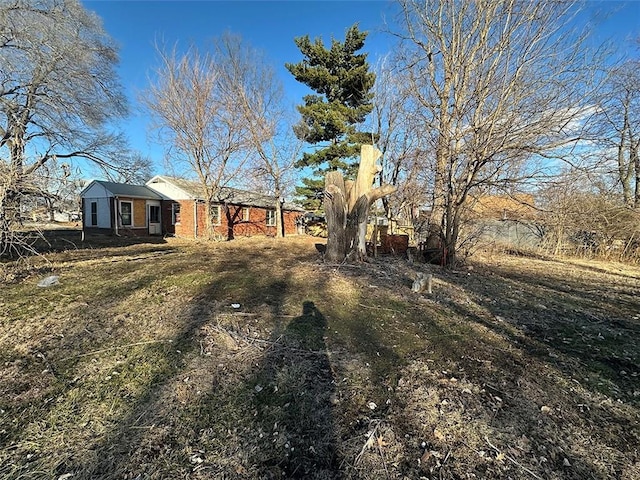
(84,216)
(195,218)
(115,213)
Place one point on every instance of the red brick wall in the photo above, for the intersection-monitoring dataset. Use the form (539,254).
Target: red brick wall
(166,216)
(185,227)
(290,227)
(256,225)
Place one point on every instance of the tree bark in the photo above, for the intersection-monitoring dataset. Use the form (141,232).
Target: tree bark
(335,206)
(279,217)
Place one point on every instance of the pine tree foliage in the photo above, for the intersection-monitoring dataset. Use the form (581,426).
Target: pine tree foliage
(342,81)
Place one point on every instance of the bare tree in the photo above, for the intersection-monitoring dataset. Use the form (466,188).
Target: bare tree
(267,122)
(617,128)
(134,168)
(396,129)
(192,100)
(585,216)
(58,91)
(56,186)
(497,82)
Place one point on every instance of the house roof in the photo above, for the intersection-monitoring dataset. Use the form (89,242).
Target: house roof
(505,207)
(125,189)
(229,195)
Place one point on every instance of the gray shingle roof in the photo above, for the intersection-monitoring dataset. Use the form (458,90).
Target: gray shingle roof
(232,195)
(126,190)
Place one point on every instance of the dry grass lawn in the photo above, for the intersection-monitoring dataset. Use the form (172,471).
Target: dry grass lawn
(253,359)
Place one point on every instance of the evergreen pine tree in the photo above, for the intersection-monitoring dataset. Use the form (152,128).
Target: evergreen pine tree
(342,81)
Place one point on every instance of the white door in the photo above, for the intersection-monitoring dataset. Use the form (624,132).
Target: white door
(153,216)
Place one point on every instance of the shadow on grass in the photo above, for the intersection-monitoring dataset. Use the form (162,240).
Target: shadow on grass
(119,406)
(575,325)
(161,436)
(172,409)
(570,370)
(292,394)
(491,372)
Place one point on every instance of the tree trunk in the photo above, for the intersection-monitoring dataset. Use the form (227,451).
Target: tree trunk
(11,194)
(51,209)
(635,155)
(231,222)
(347,205)
(279,218)
(436,227)
(10,200)
(335,207)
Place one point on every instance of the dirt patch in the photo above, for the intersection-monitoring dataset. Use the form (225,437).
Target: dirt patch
(253,359)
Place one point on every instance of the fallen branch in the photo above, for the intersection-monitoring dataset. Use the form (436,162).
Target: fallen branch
(338,266)
(368,444)
(270,343)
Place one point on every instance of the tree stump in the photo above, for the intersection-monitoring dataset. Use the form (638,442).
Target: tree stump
(347,204)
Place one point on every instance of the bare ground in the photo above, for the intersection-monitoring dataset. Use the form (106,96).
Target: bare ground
(253,359)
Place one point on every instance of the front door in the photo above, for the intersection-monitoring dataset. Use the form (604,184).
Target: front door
(155,227)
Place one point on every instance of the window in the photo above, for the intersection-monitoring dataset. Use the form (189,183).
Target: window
(175,213)
(245,214)
(271,218)
(215,214)
(94,213)
(126,213)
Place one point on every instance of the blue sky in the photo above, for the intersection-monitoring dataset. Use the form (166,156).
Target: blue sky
(271,26)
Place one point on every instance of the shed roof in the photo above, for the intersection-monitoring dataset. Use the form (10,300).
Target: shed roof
(125,190)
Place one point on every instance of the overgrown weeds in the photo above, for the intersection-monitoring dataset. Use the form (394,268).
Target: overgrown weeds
(252,359)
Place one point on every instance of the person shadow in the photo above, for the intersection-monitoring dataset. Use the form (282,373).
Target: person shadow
(294,389)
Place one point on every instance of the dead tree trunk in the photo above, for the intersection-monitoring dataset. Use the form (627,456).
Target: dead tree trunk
(335,207)
(346,206)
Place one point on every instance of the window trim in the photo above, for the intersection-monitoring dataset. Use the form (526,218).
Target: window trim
(271,217)
(157,209)
(246,214)
(217,208)
(93,213)
(130,214)
(175,209)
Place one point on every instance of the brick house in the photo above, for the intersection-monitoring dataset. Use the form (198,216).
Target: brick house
(236,212)
(173,206)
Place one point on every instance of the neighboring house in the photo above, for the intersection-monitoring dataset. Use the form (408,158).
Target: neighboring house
(506,219)
(121,209)
(172,206)
(518,207)
(236,212)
